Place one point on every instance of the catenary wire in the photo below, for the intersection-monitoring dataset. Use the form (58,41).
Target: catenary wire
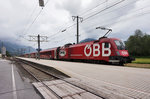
(90,17)
(104,10)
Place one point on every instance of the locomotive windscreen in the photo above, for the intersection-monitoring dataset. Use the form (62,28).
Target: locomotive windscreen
(120,45)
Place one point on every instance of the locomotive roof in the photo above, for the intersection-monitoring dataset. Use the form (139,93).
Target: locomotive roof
(84,43)
(47,50)
(87,40)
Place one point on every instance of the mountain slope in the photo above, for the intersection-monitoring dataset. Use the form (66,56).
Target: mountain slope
(16,49)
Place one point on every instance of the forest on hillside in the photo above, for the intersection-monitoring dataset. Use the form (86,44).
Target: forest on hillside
(138,44)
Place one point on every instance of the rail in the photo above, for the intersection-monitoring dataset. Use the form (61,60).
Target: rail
(55,76)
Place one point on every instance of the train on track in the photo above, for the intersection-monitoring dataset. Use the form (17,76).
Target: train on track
(103,50)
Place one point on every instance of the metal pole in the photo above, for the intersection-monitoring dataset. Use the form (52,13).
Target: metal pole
(81,19)
(38,46)
(77,29)
(37,39)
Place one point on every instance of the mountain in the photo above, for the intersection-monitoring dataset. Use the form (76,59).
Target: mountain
(16,49)
(87,40)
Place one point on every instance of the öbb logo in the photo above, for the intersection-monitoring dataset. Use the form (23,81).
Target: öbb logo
(96,50)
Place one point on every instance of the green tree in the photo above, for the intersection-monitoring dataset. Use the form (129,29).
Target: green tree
(8,54)
(138,44)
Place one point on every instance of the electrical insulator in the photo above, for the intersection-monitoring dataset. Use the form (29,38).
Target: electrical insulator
(41,3)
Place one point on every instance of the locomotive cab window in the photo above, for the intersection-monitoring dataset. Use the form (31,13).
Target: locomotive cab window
(120,45)
(106,45)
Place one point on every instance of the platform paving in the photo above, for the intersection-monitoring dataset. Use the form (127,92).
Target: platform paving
(63,90)
(75,89)
(11,84)
(132,82)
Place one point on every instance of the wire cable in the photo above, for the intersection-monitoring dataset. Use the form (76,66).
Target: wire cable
(93,8)
(91,15)
(33,22)
(132,13)
(125,19)
(35,19)
(103,10)
(119,8)
(30,17)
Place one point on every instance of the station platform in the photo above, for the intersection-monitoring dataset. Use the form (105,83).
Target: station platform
(11,84)
(63,90)
(131,82)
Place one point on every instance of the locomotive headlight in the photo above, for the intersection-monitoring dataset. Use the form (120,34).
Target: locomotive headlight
(118,53)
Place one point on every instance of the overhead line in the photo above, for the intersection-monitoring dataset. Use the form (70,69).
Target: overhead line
(138,15)
(47,2)
(91,16)
(35,18)
(33,22)
(104,9)
(121,20)
(75,24)
(93,8)
(128,14)
(86,12)
(129,18)
(29,18)
(80,15)
(120,7)
(61,31)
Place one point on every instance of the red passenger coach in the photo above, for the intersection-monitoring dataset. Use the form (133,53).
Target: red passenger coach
(48,54)
(45,54)
(27,55)
(33,55)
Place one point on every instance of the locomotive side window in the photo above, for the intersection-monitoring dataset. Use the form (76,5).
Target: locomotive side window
(106,45)
(120,45)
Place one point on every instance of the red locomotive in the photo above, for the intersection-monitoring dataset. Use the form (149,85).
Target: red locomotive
(110,50)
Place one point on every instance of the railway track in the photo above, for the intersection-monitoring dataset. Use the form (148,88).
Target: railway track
(44,72)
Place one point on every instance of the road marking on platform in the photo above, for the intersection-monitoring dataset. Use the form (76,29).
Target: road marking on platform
(14,85)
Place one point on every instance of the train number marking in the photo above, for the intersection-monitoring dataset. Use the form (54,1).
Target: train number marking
(96,50)
(124,53)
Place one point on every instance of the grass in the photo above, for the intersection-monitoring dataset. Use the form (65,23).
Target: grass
(140,62)
(137,65)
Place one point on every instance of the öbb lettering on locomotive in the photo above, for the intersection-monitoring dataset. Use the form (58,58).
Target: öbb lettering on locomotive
(96,48)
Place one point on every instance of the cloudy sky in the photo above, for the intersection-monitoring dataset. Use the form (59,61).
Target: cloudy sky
(21,18)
